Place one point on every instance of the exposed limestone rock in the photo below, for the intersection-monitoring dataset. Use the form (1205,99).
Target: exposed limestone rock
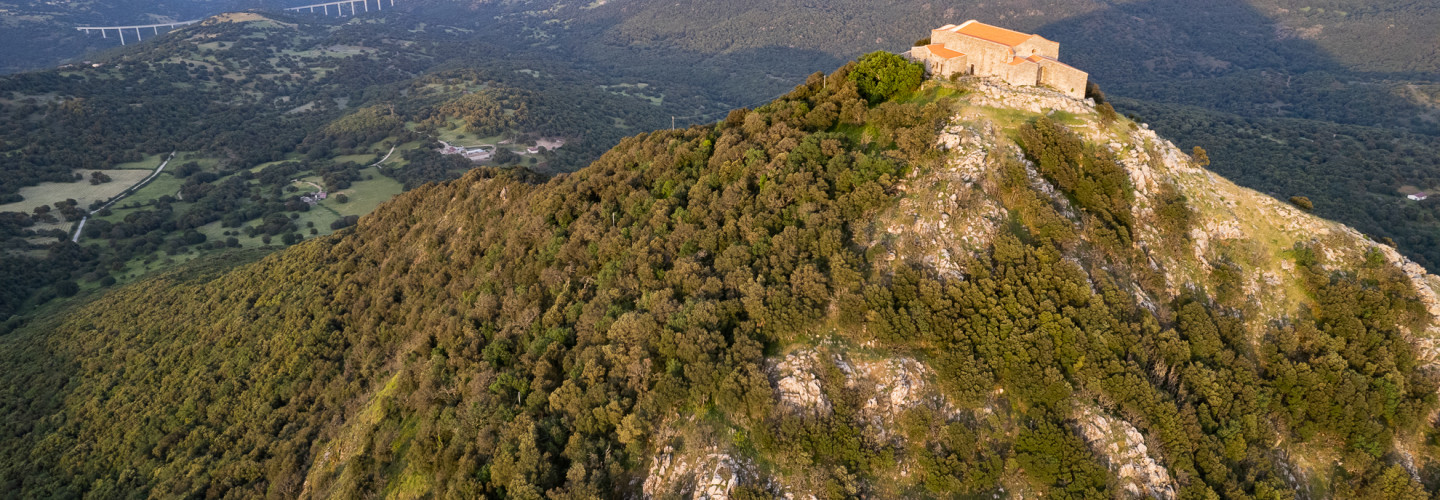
(1124,451)
(1039,100)
(797,385)
(889,386)
(694,467)
(895,385)
(949,212)
(707,476)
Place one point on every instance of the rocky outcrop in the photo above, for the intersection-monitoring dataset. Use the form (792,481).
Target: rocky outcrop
(893,386)
(711,475)
(797,385)
(1124,451)
(888,387)
(691,463)
(1039,100)
(949,212)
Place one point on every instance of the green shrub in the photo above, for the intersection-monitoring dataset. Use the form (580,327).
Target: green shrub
(882,75)
(1302,202)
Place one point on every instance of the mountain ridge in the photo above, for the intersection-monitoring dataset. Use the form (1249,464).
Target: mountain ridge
(961,289)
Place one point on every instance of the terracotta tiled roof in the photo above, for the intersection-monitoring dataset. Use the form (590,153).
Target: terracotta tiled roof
(940,51)
(1018,60)
(1051,59)
(992,33)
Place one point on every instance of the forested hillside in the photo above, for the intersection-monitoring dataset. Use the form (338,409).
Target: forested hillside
(1295,66)
(1259,84)
(870,286)
(262,114)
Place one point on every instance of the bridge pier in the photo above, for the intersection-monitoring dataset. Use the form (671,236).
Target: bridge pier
(339,5)
(139,33)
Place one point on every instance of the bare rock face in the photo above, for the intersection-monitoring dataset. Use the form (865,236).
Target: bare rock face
(950,211)
(1039,100)
(796,383)
(709,476)
(894,385)
(887,386)
(1125,453)
(694,466)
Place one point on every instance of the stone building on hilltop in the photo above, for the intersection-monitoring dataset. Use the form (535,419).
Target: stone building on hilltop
(976,48)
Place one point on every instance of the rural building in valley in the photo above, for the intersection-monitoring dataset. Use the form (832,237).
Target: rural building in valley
(976,48)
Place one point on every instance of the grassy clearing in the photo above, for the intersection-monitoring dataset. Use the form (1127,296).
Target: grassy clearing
(932,93)
(363,159)
(49,193)
(364,195)
(288,157)
(636,90)
(164,184)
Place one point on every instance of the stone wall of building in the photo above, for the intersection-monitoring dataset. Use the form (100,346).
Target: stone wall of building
(938,65)
(991,54)
(985,57)
(1025,73)
(1038,46)
(1064,78)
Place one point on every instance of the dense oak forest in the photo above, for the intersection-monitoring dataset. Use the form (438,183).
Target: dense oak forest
(490,336)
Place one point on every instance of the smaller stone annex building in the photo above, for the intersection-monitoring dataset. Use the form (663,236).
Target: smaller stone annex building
(976,48)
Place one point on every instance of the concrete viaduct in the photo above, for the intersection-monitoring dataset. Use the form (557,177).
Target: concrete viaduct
(155,28)
(339,6)
(120,30)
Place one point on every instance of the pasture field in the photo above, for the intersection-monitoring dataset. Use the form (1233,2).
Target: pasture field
(49,193)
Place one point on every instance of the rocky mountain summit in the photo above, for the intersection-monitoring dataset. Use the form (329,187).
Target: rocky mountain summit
(1239,242)
(874,286)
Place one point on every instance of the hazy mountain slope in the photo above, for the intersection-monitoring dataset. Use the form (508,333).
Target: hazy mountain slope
(944,293)
(39,34)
